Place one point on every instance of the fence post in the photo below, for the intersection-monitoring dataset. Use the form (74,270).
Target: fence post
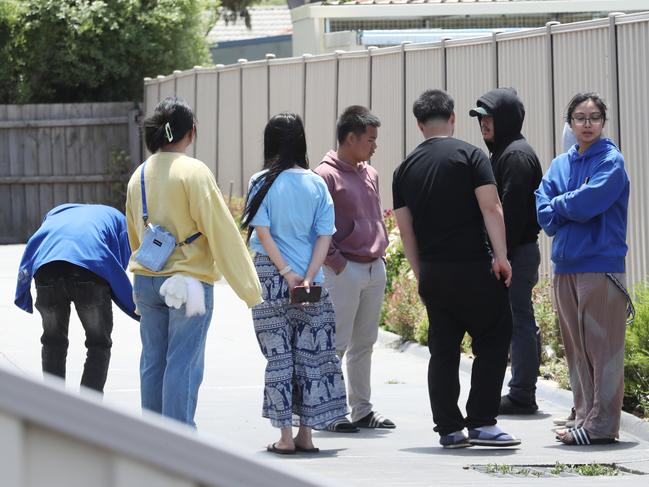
(216,135)
(160,77)
(443,67)
(134,141)
(269,57)
(241,62)
(304,61)
(494,47)
(550,73)
(614,102)
(369,77)
(142,149)
(195,101)
(338,53)
(175,74)
(403,98)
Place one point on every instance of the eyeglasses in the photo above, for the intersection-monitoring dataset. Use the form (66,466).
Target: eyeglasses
(594,119)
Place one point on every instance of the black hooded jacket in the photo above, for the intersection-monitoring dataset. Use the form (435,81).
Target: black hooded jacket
(515,165)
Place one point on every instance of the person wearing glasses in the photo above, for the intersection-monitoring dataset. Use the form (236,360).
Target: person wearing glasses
(582,202)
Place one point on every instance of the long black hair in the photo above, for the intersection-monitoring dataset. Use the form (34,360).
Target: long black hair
(171,120)
(284,147)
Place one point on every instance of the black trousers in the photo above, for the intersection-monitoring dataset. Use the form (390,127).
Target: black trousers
(465,297)
(57,285)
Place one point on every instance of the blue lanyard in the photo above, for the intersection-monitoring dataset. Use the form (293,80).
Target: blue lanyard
(145,213)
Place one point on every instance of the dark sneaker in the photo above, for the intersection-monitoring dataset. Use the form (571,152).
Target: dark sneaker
(342,425)
(375,420)
(509,406)
(454,441)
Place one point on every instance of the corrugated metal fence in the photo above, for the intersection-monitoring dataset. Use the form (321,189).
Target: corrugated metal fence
(58,153)
(546,65)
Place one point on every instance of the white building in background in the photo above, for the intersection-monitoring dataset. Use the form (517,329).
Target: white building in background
(270,31)
(350,25)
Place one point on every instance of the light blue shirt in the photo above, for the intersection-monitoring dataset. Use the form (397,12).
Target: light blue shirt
(298,209)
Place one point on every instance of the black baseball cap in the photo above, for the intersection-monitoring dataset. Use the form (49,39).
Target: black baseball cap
(480,111)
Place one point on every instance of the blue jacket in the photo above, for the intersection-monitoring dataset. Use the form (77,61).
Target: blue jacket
(582,201)
(91,236)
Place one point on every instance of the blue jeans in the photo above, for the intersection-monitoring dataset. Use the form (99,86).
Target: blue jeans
(525,261)
(173,351)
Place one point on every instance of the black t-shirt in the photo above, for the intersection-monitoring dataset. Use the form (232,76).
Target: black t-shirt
(437,183)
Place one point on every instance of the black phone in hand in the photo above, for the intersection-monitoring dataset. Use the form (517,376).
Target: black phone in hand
(299,294)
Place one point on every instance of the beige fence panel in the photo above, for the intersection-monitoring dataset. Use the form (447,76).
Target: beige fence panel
(186,89)
(151,95)
(151,99)
(229,164)
(632,33)
(286,86)
(167,86)
(522,64)
(388,105)
(470,73)
(580,55)
(424,71)
(206,110)
(320,106)
(353,80)
(547,66)
(53,154)
(255,115)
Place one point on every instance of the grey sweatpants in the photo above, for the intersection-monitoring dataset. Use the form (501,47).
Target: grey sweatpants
(592,317)
(357,296)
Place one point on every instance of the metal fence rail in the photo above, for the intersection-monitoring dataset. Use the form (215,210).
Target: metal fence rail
(546,66)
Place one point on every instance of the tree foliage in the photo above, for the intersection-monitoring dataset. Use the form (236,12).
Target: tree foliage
(96,50)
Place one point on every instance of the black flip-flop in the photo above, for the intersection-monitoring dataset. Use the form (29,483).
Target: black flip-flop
(306,450)
(279,451)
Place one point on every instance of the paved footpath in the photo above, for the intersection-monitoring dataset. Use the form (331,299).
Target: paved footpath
(230,404)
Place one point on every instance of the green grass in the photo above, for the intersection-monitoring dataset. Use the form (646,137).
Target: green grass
(584,470)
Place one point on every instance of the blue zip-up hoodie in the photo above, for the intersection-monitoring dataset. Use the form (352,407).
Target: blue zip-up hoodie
(582,201)
(91,236)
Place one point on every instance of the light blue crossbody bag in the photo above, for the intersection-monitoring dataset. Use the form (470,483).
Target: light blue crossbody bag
(158,244)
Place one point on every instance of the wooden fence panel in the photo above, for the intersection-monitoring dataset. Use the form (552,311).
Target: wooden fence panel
(53,154)
(5,171)
(17,198)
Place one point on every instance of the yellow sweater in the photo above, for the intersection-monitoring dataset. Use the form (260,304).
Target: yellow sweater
(182,196)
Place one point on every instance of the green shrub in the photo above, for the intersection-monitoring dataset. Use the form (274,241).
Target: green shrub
(403,310)
(547,320)
(80,50)
(636,363)
(395,257)
(119,171)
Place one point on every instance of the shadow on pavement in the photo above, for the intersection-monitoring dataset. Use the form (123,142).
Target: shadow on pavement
(462,452)
(525,417)
(620,445)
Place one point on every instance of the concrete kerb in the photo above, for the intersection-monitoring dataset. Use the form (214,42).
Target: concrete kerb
(548,390)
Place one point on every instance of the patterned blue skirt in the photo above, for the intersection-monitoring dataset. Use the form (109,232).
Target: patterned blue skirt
(303,375)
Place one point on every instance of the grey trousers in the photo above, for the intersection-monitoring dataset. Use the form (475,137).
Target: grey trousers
(592,317)
(357,295)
